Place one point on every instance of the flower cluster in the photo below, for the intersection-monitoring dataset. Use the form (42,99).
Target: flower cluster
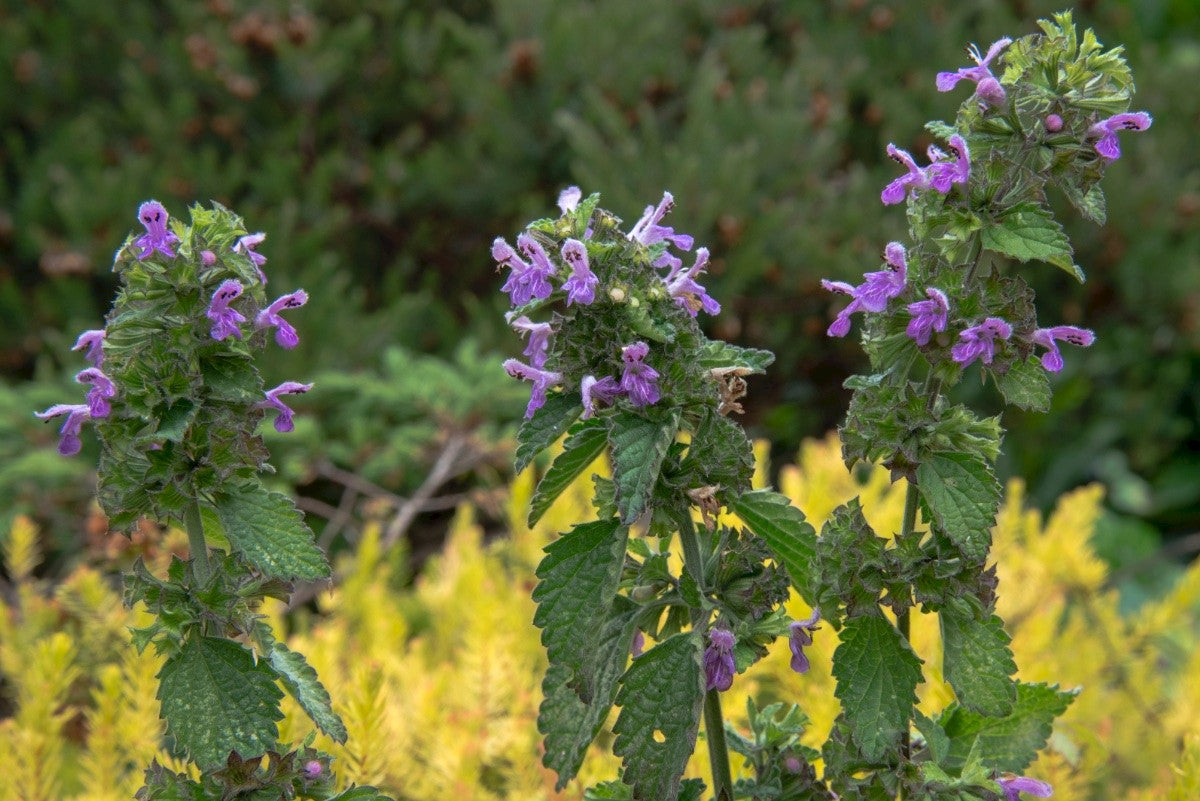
(98,403)
(941,174)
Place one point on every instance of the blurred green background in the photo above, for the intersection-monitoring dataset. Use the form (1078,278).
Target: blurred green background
(383,145)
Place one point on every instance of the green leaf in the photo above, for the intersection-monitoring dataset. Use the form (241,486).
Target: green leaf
(301,681)
(1029,231)
(216,699)
(232,379)
(660,699)
(877,674)
(174,422)
(963,495)
(639,445)
(1091,204)
(791,538)
(935,737)
(363,793)
(1026,385)
(585,442)
(717,354)
(977,662)
(577,582)
(269,531)
(1007,743)
(568,723)
(547,424)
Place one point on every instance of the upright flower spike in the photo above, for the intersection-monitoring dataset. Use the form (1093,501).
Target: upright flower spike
(979,342)
(285,333)
(93,340)
(987,88)
(1013,786)
(1105,132)
(225,319)
(284,420)
(800,637)
(543,380)
(540,268)
(719,666)
(1052,359)
(246,246)
(102,390)
(158,236)
(568,199)
(928,316)
(911,182)
(639,380)
(77,414)
(538,346)
(581,284)
(594,391)
(681,285)
(648,231)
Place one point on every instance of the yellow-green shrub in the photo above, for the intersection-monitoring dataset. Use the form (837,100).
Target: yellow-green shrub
(439,683)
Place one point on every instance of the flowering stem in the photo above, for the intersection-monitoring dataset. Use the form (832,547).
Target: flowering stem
(903,619)
(198,547)
(714,722)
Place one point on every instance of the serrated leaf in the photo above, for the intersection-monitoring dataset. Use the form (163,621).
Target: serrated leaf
(216,699)
(174,422)
(977,662)
(301,681)
(791,538)
(660,698)
(269,531)
(963,494)
(567,722)
(1091,204)
(1029,231)
(1006,743)
(585,441)
(547,425)
(230,379)
(935,737)
(1026,386)
(877,674)
(577,581)
(639,445)
(716,354)
(363,793)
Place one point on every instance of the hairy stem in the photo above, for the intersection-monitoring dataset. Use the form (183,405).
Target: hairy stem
(714,722)
(201,569)
(903,621)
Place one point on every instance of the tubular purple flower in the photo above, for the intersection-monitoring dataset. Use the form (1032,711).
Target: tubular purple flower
(949,169)
(1108,145)
(539,272)
(1052,358)
(77,414)
(928,316)
(987,88)
(224,319)
(883,285)
(102,389)
(568,199)
(93,340)
(648,231)
(246,245)
(595,391)
(158,237)
(581,284)
(682,285)
(285,334)
(841,324)
(283,421)
(719,666)
(1012,787)
(542,381)
(978,342)
(639,380)
(800,637)
(539,339)
(911,182)
(518,285)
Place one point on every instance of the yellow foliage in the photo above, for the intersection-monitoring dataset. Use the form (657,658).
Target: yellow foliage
(439,682)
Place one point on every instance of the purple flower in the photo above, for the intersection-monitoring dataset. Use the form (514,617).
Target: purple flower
(648,231)
(638,644)
(568,199)
(208,258)
(1013,786)
(518,287)
(77,413)
(312,769)
(581,285)
(539,339)
(841,324)
(224,319)
(1106,130)
(537,274)
(102,388)
(800,638)
(949,169)
(883,285)
(1052,358)
(987,88)
(285,334)
(719,666)
(542,381)
(1053,123)
(595,391)
(93,340)
(978,342)
(910,183)
(158,237)
(639,380)
(283,421)
(928,316)
(246,245)
(681,284)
